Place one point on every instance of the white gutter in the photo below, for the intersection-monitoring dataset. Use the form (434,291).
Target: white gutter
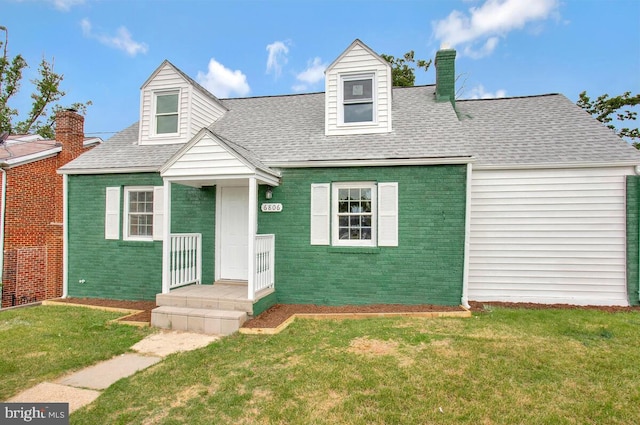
(372,162)
(65,238)
(553,165)
(20,160)
(108,170)
(2,210)
(467,235)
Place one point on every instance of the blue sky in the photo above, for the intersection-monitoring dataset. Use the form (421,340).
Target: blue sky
(106,49)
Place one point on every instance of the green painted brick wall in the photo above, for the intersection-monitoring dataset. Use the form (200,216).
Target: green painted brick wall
(426,267)
(633,260)
(123,270)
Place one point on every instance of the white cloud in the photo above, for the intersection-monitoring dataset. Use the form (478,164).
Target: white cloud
(121,41)
(65,5)
(277,58)
(223,82)
(484,25)
(478,92)
(311,75)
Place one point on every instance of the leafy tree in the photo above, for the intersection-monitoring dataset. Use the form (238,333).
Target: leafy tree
(402,69)
(607,109)
(40,119)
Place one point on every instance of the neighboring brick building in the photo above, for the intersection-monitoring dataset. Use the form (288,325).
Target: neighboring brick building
(31,209)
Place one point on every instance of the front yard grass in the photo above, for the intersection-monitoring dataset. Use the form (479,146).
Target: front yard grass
(504,366)
(42,343)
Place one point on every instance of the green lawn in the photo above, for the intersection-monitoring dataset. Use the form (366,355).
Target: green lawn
(505,366)
(42,343)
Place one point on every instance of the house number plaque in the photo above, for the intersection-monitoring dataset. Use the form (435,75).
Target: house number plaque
(271,207)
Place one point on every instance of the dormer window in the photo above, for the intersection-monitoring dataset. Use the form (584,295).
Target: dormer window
(358,99)
(166,117)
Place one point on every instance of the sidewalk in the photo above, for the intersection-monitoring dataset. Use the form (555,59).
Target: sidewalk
(82,387)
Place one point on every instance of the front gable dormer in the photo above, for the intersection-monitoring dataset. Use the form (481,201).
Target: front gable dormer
(173,107)
(358,93)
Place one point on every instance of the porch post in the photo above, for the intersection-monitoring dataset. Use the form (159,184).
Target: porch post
(166,238)
(253,225)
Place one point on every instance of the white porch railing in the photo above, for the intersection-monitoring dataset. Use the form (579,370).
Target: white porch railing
(264,262)
(185,254)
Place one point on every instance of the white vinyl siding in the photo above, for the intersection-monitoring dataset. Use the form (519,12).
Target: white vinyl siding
(196,109)
(358,61)
(112,213)
(548,236)
(206,158)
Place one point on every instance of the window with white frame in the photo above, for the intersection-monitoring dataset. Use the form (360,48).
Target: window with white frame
(138,215)
(358,99)
(166,115)
(354,214)
(142,214)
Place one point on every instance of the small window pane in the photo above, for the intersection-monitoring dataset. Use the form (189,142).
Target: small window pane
(166,124)
(343,194)
(366,233)
(366,194)
(358,89)
(366,207)
(167,104)
(358,112)
(343,207)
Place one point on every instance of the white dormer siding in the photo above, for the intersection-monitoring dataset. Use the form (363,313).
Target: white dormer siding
(366,112)
(196,108)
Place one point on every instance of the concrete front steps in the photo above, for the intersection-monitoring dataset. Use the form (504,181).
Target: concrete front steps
(220,309)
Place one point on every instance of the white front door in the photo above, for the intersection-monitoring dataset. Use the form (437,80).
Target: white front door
(234,232)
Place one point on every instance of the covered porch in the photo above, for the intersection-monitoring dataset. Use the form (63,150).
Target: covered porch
(241,254)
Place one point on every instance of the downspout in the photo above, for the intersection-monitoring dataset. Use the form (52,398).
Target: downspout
(467,234)
(2,210)
(65,237)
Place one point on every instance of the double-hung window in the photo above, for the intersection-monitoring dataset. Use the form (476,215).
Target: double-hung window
(357,99)
(142,213)
(166,113)
(354,214)
(138,214)
(358,214)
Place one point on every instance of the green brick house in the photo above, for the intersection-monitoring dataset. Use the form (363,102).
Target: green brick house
(363,194)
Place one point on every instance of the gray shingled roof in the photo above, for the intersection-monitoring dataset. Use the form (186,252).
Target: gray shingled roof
(546,129)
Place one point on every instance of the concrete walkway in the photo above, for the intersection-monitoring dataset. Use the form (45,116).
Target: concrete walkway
(82,387)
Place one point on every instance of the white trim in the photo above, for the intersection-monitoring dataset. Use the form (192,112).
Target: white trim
(342,78)
(2,213)
(218,229)
(166,244)
(125,218)
(92,141)
(20,160)
(557,165)
(467,236)
(335,228)
(65,236)
(127,170)
(252,230)
(153,134)
(372,162)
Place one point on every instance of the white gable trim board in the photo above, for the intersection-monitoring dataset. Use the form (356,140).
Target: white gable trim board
(549,236)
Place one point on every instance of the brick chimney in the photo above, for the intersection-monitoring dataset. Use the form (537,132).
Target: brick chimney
(70,133)
(446,76)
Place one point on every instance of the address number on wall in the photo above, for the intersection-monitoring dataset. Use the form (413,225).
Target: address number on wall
(271,207)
